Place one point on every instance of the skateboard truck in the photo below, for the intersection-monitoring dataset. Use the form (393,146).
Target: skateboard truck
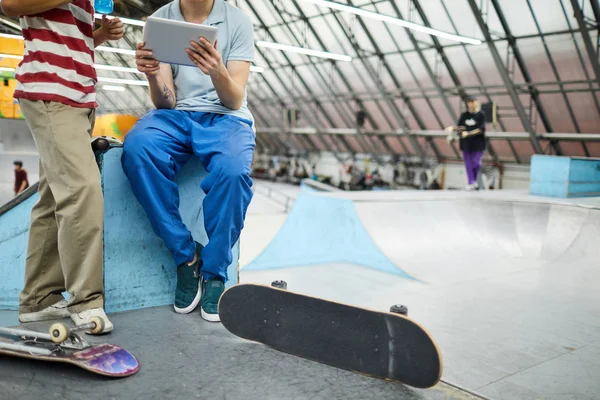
(63,337)
(60,333)
(278,284)
(399,309)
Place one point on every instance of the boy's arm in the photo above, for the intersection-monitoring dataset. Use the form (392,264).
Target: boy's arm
(160,78)
(162,88)
(229,81)
(23,186)
(461,122)
(111,29)
(16,8)
(229,77)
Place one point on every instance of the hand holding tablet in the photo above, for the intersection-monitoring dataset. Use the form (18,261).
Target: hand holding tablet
(145,61)
(168,41)
(205,56)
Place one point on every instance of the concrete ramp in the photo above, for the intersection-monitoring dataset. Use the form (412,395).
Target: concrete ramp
(139,271)
(435,238)
(469,238)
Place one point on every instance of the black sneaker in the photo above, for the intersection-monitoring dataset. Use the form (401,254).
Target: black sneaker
(212,290)
(189,290)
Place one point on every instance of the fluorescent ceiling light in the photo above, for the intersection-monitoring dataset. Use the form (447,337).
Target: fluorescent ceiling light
(9,36)
(6,69)
(113,88)
(116,50)
(131,82)
(11,56)
(127,21)
(117,69)
(393,21)
(301,50)
(10,23)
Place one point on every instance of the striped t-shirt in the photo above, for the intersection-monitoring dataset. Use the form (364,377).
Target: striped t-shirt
(58,64)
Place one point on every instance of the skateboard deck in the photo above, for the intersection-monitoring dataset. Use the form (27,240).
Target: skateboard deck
(379,344)
(103,359)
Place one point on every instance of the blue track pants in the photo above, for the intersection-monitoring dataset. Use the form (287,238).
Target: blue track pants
(158,147)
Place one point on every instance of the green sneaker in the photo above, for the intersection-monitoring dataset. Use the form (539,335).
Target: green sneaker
(212,290)
(188,291)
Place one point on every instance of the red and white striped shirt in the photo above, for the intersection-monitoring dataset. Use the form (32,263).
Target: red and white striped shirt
(58,64)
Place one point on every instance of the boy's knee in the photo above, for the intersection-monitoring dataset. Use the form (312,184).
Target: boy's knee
(136,142)
(232,169)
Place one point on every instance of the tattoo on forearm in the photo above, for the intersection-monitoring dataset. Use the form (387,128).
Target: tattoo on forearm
(168,93)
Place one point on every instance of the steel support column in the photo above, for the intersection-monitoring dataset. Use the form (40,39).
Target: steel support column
(587,38)
(506,78)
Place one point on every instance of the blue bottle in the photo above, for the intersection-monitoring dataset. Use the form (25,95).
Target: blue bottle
(104,6)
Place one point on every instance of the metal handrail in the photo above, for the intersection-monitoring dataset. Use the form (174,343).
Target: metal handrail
(287,202)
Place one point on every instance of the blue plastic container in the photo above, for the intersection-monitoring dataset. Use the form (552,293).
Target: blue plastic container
(104,6)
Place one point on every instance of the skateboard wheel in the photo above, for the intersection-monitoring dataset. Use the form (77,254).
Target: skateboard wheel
(99,326)
(100,145)
(279,285)
(59,333)
(399,309)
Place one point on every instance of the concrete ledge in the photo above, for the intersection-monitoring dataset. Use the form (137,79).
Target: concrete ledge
(14,232)
(139,271)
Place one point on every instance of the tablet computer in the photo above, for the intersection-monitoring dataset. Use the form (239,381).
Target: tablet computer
(169,39)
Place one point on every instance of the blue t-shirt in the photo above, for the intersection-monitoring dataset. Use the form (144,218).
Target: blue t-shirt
(193,89)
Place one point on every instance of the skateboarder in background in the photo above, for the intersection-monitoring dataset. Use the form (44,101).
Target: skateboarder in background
(472,145)
(21,181)
(55,88)
(200,112)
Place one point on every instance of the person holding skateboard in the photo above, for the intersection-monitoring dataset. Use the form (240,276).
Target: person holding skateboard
(201,112)
(471,128)
(55,88)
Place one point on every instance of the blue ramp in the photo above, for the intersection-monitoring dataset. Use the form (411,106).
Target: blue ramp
(14,231)
(139,271)
(323,230)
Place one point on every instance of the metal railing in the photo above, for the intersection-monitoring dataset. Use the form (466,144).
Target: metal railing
(275,196)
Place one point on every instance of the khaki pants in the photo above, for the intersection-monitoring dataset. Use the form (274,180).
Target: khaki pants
(65,236)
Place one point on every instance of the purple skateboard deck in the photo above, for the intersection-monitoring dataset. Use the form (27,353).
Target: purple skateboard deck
(103,359)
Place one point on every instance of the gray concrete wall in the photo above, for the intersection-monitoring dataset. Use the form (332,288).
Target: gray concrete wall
(15,136)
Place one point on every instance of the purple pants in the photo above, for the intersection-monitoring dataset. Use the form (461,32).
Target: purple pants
(472,164)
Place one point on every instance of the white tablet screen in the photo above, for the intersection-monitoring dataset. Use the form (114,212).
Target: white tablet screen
(169,39)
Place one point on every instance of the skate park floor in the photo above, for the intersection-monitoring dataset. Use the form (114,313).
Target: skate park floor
(517,316)
(185,357)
